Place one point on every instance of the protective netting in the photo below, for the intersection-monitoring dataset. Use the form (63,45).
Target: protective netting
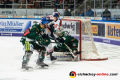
(89,50)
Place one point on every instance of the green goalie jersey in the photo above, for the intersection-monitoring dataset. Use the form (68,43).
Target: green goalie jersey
(68,39)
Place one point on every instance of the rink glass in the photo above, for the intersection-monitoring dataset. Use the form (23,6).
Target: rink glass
(38,8)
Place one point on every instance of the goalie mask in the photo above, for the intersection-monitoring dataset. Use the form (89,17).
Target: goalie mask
(59,31)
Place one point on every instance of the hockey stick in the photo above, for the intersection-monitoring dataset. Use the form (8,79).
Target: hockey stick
(69,50)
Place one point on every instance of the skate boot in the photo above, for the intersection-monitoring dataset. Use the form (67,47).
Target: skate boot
(53,59)
(25,67)
(41,64)
(76,58)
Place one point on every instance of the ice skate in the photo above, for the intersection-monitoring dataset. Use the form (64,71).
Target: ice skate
(53,59)
(76,55)
(25,67)
(76,58)
(41,64)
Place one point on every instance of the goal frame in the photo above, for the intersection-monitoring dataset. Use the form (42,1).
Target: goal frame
(80,40)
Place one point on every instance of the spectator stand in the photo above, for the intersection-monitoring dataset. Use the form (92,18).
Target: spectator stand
(44,4)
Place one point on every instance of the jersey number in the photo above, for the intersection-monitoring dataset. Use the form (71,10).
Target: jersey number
(56,25)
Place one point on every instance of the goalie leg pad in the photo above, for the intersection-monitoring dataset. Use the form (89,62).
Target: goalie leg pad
(68,53)
(62,56)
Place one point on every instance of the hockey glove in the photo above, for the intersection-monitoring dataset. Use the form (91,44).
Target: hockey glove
(52,28)
(44,36)
(60,39)
(44,42)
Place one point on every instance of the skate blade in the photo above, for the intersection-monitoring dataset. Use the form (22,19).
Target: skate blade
(53,61)
(76,59)
(30,69)
(39,67)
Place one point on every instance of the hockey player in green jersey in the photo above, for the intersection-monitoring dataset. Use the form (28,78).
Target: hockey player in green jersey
(36,38)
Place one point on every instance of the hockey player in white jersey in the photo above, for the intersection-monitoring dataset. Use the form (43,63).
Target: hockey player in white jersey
(56,21)
(55,24)
(56,32)
(52,27)
(49,47)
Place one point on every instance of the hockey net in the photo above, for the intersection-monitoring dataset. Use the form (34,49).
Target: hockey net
(82,30)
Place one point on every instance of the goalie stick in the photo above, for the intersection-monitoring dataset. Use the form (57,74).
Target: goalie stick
(70,50)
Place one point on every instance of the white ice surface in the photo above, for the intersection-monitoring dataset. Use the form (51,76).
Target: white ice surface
(11,52)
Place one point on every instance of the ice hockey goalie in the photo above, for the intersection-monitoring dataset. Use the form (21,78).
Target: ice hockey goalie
(67,46)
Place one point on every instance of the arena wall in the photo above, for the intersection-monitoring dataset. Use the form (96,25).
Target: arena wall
(103,31)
